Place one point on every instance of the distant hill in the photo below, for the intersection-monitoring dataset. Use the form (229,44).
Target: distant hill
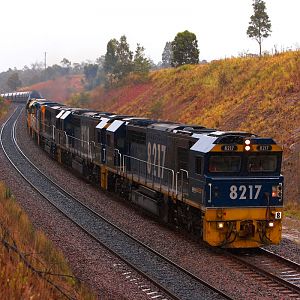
(59,89)
(260,95)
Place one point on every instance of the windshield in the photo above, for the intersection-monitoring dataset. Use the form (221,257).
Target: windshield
(224,164)
(262,163)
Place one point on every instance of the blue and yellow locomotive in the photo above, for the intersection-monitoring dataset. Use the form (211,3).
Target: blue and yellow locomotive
(225,187)
(243,189)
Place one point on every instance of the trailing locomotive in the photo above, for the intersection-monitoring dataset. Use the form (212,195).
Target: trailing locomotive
(225,187)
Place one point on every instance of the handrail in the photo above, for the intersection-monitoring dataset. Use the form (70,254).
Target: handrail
(178,172)
(67,142)
(53,132)
(120,155)
(155,165)
(209,200)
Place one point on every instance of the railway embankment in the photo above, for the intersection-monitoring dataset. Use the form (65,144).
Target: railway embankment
(31,267)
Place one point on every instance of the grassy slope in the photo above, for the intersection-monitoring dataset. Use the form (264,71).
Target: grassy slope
(251,94)
(17,281)
(4,106)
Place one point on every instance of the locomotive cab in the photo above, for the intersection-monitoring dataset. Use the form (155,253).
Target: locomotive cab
(240,189)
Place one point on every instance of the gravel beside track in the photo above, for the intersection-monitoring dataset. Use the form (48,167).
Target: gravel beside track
(195,257)
(287,249)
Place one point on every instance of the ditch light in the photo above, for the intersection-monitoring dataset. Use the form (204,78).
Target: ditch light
(220,225)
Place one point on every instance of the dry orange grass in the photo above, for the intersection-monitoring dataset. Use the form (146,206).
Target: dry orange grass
(4,105)
(23,247)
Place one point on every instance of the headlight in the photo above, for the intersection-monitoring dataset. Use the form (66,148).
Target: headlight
(277,191)
(274,191)
(248,145)
(220,225)
(271,224)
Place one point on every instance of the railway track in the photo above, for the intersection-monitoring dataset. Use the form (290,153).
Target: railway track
(172,280)
(280,273)
(277,272)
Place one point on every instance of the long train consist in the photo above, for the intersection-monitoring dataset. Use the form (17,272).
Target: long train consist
(225,187)
(21,96)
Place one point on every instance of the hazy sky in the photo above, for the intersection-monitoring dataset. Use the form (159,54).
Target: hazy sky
(80,30)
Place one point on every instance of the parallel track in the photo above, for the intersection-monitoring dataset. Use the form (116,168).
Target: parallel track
(283,272)
(173,280)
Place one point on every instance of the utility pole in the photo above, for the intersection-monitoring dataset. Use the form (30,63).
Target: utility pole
(45,60)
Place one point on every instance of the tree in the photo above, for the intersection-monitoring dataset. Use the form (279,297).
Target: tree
(101,61)
(90,73)
(124,62)
(13,81)
(185,49)
(167,55)
(66,63)
(141,64)
(111,56)
(118,60)
(260,24)
(76,68)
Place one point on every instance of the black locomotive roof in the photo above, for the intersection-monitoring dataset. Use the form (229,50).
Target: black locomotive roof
(230,133)
(231,137)
(53,104)
(117,117)
(142,122)
(82,111)
(169,126)
(101,114)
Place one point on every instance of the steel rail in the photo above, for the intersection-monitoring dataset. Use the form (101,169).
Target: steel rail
(251,259)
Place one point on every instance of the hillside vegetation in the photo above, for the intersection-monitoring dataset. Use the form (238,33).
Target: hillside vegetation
(30,266)
(4,105)
(58,89)
(260,95)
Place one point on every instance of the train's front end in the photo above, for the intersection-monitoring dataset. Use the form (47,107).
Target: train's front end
(243,192)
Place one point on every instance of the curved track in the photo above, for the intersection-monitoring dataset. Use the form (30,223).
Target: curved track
(171,279)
